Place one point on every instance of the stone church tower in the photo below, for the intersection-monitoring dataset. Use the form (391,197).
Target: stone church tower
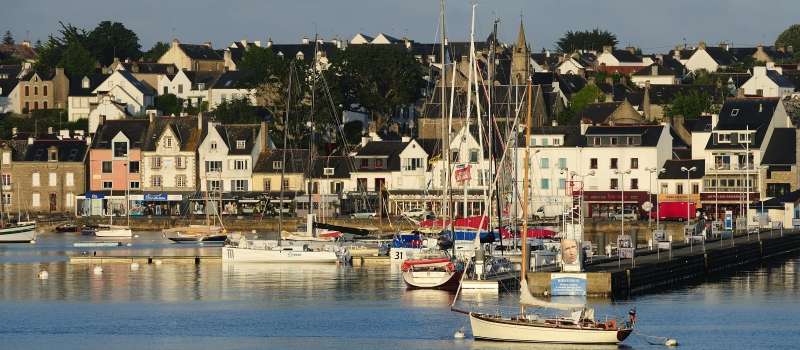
(520,59)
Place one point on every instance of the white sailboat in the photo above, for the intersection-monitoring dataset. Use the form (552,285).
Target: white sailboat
(243,250)
(19,232)
(207,233)
(570,324)
(110,230)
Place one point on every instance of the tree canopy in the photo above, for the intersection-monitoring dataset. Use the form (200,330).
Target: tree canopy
(690,106)
(111,40)
(155,52)
(789,37)
(587,95)
(586,40)
(378,80)
(8,39)
(76,60)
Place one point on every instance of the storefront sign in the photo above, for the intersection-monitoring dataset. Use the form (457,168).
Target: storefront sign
(155,196)
(595,196)
(95,195)
(568,283)
(729,196)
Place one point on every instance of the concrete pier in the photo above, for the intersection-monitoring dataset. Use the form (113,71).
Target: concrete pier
(652,269)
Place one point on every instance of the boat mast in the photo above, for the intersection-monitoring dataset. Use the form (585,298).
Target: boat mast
(283,156)
(311,136)
(208,222)
(472,79)
(447,194)
(524,267)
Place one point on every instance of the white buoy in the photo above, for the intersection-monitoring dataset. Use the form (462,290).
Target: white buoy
(671,342)
(136,236)
(128,244)
(157,262)
(134,266)
(253,231)
(98,270)
(459,334)
(33,241)
(43,275)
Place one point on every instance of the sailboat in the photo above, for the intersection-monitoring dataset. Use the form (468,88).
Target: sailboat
(19,232)
(207,233)
(110,230)
(577,323)
(269,251)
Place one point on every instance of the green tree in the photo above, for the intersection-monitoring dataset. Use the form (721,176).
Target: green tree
(588,40)
(111,40)
(353,130)
(236,111)
(51,51)
(8,39)
(374,79)
(742,66)
(155,52)
(690,106)
(169,104)
(790,37)
(600,76)
(76,60)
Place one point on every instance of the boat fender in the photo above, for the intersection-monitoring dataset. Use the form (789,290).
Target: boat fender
(450,267)
(405,267)
(611,325)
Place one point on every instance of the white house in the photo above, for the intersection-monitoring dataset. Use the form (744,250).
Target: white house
(709,58)
(227,154)
(82,98)
(105,109)
(769,81)
(124,88)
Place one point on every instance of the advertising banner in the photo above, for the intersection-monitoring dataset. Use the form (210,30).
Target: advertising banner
(568,283)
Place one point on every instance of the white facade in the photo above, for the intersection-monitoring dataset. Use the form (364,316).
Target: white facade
(11,103)
(126,89)
(236,171)
(768,87)
(168,167)
(107,108)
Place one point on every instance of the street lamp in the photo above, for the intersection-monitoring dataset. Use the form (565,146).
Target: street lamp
(622,200)
(688,204)
(650,218)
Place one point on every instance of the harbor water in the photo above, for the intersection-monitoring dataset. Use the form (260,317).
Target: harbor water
(214,305)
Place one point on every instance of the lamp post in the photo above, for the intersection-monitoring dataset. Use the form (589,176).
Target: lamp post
(622,200)
(688,203)
(651,171)
(760,187)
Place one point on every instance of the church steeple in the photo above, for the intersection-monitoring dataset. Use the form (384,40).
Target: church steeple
(521,37)
(521,57)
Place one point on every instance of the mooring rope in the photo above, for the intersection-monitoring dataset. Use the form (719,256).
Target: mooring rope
(645,336)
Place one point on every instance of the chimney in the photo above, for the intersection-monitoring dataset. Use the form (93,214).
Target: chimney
(102,120)
(305,40)
(335,42)
(152,116)
(244,43)
(554,122)
(607,49)
(30,140)
(724,45)
(208,44)
(701,45)
(590,81)
(264,135)
(175,42)
(740,92)
(49,130)
(26,42)
(257,43)
(64,134)
(171,69)
(623,81)
(227,55)
(678,48)
(405,139)
(760,48)
(14,131)
(789,49)
(365,140)
(269,42)
(631,49)
(547,53)
(609,80)
(135,68)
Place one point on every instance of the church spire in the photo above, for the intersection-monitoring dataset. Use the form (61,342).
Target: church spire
(521,42)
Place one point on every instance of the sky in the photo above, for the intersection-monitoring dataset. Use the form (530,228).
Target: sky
(653,26)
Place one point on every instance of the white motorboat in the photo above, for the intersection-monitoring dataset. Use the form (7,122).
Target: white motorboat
(264,251)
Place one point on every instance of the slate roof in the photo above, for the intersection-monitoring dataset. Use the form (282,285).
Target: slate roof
(572,135)
(673,169)
(777,202)
(778,79)
(650,134)
(381,149)
(738,79)
(205,77)
(297,161)
(721,56)
(792,107)
(777,153)
(135,82)
(200,52)
(6,85)
(184,128)
(625,56)
(134,129)
(342,166)
(227,80)
(703,124)
(684,54)
(150,67)
(18,51)
(596,113)
(231,133)
(741,53)
(657,70)
(742,114)
(76,83)
(44,75)
(794,78)
(71,150)
(291,50)
(617,91)
(627,70)
(635,98)
(664,94)
(545,59)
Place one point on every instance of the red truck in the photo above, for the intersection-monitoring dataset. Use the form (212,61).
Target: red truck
(673,211)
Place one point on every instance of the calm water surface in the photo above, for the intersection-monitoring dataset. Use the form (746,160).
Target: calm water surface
(247,306)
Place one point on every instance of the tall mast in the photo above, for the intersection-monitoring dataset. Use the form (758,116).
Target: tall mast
(285,143)
(524,269)
(311,137)
(445,150)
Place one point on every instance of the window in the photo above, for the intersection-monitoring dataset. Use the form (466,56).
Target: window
(286,184)
(240,185)
(533,141)
(413,163)
(213,166)
(134,185)
(44,104)
(107,167)
(180,162)
(454,158)
(545,163)
(180,181)
(361,184)
(613,163)
(201,86)
(679,189)
(597,141)
(613,141)
(213,145)
(744,138)
(695,188)
(724,137)
(44,90)
(634,184)
(630,141)
(556,142)
(473,156)
(562,184)
(214,185)
(70,179)
(6,180)
(777,189)
(562,163)
(545,184)
(53,179)
(36,200)
(240,144)
(108,185)
(27,90)
(156,180)
(614,184)
(120,149)
(544,142)
(35,91)
(267,185)
(168,142)
(593,163)
(664,189)
(734,112)
(156,162)
(35,104)
(133,167)
(180,88)
(6,199)
(378,163)
(222,97)
(364,163)
(277,164)
(35,180)
(634,163)
(240,164)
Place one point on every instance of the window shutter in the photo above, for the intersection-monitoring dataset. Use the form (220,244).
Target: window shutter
(233,185)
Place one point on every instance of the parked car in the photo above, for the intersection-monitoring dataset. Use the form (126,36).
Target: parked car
(626,214)
(415,213)
(364,214)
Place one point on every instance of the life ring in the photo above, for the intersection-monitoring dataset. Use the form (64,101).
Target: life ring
(611,325)
(450,267)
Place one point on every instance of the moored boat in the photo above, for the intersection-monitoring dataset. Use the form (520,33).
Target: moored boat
(21,232)
(432,270)
(68,227)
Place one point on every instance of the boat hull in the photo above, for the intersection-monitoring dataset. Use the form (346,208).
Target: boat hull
(432,279)
(199,239)
(18,233)
(490,327)
(67,228)
(113,232)
(269,255)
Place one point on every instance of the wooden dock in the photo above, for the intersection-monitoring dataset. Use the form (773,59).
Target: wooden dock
(82,259)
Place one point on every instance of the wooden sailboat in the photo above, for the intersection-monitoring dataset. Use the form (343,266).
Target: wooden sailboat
(575,325)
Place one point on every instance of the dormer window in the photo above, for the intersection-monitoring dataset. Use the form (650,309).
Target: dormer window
(597,141)
(85,83)
(630,141)
(613,141)
(53,156)
(744,137)
(277,164)
(734,112)
(201,86)
(724,137)
(240,144)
